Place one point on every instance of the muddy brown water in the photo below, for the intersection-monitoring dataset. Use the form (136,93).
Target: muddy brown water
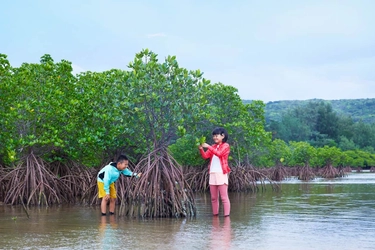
(322,214)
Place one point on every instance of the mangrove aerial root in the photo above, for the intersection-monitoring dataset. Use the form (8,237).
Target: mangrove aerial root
(161,191)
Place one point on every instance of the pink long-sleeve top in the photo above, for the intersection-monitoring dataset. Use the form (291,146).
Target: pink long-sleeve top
(220,150)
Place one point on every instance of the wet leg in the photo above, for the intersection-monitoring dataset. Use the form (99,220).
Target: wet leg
(112,204)
(214,199)
(223,189)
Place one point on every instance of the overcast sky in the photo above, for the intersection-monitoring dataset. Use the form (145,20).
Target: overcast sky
(269,50)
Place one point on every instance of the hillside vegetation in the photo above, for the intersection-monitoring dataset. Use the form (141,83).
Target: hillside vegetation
(357,109)
(346,124)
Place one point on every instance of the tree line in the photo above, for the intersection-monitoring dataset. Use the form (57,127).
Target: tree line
(357,109)
(57,129)
(317,123)
(93,116)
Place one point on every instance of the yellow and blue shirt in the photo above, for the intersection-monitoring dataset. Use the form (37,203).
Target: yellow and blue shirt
(110,173)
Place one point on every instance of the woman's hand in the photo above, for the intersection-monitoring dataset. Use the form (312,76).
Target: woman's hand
(205,145)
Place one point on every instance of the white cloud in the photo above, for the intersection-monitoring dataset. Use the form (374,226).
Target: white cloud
(343,80)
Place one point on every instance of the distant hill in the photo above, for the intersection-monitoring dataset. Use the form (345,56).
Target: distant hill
(358,109)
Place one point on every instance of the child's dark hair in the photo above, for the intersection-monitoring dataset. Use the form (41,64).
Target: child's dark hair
(221,131)
(122,158)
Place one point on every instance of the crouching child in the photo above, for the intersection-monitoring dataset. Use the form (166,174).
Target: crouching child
(106,182)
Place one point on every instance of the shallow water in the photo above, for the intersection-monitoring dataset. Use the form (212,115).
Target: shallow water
(322,214)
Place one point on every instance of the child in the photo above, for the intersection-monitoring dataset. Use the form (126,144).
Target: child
(218,169)
(106,182)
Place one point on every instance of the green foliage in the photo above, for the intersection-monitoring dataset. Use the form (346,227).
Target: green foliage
(7,150)
(346,144)
(185,151)
(357,109)
(280,152)
(164,97)
(92,116)
(327,121)
(329,156)
(200,141)
(36,113)
(302,154)
(272,153)
(293,129)
(316,122)
(104,112)
(364,134)
(48,111)
(245,123)
(360,158)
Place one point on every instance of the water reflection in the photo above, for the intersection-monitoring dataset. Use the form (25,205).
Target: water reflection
(305,187)
(316,215)
(330,188)
(221,235)
(107,232)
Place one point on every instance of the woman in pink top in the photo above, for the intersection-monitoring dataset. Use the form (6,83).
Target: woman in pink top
(218,169)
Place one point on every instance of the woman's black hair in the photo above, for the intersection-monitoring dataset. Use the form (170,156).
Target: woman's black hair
(122,158)
(221,131)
